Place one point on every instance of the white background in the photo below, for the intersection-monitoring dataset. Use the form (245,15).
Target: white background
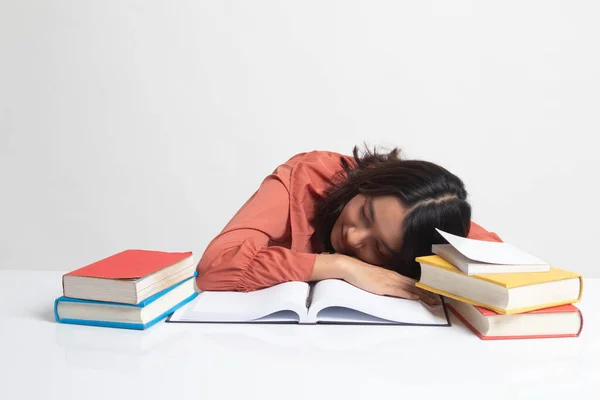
(147,124)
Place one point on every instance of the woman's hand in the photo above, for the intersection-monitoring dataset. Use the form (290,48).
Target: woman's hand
(371,278)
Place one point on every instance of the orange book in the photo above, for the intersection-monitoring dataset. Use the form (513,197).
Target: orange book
(551,322)
(129,277)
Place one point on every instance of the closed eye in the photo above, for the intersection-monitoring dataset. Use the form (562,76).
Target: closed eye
(363,213)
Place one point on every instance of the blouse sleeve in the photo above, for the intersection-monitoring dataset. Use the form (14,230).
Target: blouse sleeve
(480,233)
(245,256)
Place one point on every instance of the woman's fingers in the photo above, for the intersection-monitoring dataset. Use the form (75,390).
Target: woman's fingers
(404,293)
(429,298)
(406,280)
(408,285)
(405,287)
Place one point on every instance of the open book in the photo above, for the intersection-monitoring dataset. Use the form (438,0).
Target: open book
(330,301)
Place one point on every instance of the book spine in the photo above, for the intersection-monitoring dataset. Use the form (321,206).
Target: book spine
(56,310)
(580,326)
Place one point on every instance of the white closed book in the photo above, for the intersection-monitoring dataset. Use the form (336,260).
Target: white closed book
(482,257)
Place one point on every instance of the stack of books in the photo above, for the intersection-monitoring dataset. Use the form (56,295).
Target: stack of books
(132,289)
(502,292)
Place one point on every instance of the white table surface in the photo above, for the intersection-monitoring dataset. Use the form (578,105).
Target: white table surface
(43,359)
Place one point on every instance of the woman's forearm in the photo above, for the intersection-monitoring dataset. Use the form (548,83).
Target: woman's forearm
(329,266)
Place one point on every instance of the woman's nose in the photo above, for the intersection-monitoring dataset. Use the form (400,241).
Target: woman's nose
(356,237)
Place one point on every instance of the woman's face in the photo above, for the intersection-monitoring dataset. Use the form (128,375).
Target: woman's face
(369,228)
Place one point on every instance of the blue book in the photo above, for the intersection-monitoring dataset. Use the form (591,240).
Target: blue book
(140,316)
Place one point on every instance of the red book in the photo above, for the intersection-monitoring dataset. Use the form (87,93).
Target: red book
(129,277)
(551,322)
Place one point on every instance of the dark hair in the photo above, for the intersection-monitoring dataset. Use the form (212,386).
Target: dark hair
(435,198)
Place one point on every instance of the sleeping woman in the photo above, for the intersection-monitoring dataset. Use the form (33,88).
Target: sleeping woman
(321,215)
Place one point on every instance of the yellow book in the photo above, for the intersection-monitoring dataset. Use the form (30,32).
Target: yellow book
(512,293)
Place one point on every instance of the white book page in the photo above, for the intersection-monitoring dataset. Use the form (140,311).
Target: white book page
(330,295)
(346,315)
(260,306)
(491,252)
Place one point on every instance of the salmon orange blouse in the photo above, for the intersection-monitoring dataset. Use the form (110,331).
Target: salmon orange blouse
(268,241)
